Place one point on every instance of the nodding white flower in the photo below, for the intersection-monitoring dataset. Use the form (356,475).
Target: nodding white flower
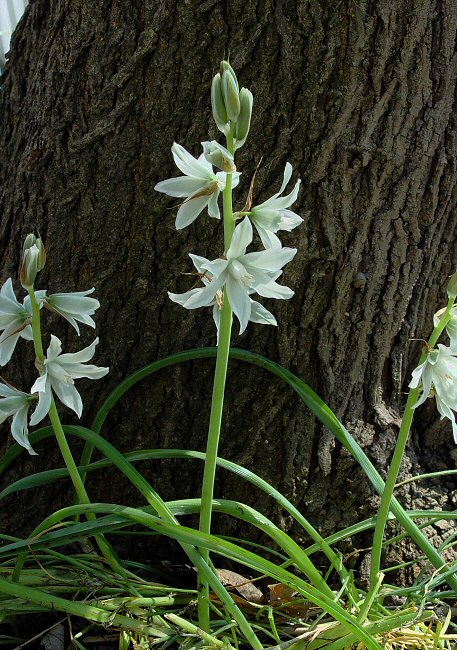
(74,307)
(219,156)
(259,314)
(451,327)
(272,215)
(59,373)
(16,403)
(242,274)
(200,186)
(439,371)
(15,320)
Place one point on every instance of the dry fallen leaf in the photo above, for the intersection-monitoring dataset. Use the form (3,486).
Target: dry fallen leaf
(283,596)
(242,585)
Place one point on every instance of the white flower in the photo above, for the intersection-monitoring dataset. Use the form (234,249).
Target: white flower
(451,327)
(259,314)
(200,186)
(16,403)
(59,372)
(242,274)
(15,320)
(439,370)
(74,307)
(271,216)
(219,156)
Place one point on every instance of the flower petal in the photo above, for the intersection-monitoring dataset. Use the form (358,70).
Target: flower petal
(8,301)
(272,259)
(44,399)
(200,263)
(19,429)
(202,160)
(239,301)
(427,380)
(79,370)
(289,220)
(269,239)
(207,294)
(217,319)
(417,375)
(259,314)
(274,290)
(213,207)
(190,209)
(9,391)
(181,298)
(216,267)
(189,165)
(8,341)
(181,186)
(68,395)
(79,357)
(241,239)
(286,178)
(285,201)
(54,349)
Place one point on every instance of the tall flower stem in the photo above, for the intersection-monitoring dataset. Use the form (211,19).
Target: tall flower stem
(397,457)
(217,404)
(65,450)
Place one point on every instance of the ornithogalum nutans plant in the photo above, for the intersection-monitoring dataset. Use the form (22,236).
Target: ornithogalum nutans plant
(229,282)
(57,372)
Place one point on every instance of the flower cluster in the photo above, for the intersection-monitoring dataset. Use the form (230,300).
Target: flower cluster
(439,371)
(237,275)
(57,371)
(437,375)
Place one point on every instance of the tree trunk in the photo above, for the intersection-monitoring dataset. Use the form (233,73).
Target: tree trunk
(360,97)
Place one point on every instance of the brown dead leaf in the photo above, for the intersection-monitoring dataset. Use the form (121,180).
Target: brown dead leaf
(283,596)
(242,585)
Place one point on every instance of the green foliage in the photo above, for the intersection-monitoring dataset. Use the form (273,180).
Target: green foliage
(344,621)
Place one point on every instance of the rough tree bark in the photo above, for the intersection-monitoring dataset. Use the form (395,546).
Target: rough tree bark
(360,97)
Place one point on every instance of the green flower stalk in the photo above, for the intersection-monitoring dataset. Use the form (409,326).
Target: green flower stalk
(217,405)
(428,373)
(231,280)
(56,371)
(65,450)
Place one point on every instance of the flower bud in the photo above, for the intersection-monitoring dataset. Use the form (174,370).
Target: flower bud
(226,69)
(217,103)
(219,156)
(230,91)
(452,286)
(244,120)
(33,260)
(231,98)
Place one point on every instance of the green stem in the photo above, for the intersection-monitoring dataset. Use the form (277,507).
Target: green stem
(217,404)
(397,457)
(36,326)
(192,629)
(369,600)
(65,450)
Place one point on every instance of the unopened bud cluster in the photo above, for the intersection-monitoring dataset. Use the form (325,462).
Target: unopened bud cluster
(33,260)
(452,286)
(232,107)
